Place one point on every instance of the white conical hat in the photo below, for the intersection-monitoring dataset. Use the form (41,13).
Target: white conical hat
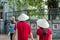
(23,17)
(42,23)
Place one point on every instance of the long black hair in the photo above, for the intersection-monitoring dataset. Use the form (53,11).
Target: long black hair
(45,31)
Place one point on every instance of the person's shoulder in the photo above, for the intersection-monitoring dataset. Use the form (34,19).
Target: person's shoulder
(28,24)
(39,29)
(50,29)
(10,24)
(17,22)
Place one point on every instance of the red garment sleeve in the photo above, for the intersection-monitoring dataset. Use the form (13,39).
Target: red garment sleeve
(29,29)
(37,33)
(15,27)
(50,31)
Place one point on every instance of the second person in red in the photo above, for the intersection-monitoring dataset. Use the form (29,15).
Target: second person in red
(44,32)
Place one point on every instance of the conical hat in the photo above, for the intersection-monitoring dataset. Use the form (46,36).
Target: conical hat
(23,17)
(42,23)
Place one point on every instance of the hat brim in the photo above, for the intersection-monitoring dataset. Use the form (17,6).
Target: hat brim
(23,17)
(42,23)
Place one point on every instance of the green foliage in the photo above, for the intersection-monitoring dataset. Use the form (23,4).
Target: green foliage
(36,3)
(11,3)
(39,14)
(33,3)
(18,4)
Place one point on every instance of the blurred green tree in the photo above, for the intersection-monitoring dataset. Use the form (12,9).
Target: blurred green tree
(35,7)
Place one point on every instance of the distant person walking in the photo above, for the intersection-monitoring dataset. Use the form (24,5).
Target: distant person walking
(11,28)
(23,28)
(44,32)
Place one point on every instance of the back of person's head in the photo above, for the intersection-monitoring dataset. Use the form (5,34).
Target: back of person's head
(45,31)
(43,24)
(12,18)
(23,17)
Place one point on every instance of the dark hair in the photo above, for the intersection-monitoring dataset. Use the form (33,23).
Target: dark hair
(12,22)
(45,31)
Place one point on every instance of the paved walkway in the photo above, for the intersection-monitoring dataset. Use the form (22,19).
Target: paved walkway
(5,37)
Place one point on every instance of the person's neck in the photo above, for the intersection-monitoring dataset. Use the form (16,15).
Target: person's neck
(14,21)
